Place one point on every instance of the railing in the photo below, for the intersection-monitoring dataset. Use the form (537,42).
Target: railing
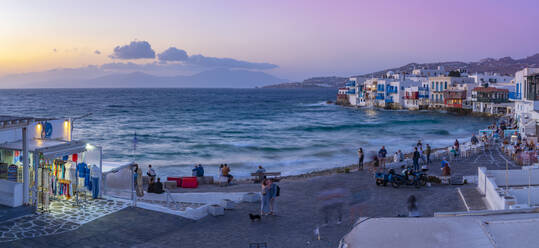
(352,91)
(515,96)
(380,97)
(389,100)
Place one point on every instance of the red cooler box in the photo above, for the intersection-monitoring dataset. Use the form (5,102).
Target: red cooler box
(189,182)
(177,179)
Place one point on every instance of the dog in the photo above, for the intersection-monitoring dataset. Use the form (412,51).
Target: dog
(254,217)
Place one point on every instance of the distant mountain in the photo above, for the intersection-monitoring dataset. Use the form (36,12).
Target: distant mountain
(316,82)
(505,65)
(217,78)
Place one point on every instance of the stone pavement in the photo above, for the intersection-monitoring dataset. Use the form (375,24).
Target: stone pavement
(297,209)
(492,159)
(62,217)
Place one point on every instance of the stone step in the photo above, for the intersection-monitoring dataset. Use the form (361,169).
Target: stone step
(473,200)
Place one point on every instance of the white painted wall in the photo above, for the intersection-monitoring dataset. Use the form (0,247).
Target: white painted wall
(10,193)
(61,130)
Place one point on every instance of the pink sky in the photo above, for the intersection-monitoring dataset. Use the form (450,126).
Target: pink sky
(303,38)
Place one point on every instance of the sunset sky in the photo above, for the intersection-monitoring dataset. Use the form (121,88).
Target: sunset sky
(288,39)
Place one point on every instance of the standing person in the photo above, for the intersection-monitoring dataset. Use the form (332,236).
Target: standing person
(396,157)
(422,155)
(361,157)
(415,158)
(151,172)
(401,156)
(419,144)
(332,200)
(428,151)
(194,171)
(457,145)
(474,139)
(274,192)
(382,155)
(266,197)
(412,207)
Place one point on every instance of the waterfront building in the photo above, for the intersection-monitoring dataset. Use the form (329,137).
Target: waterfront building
(342,96)
(417,97)
(442,83)
(526,100)
(491,100)
(350,86)
(454,98)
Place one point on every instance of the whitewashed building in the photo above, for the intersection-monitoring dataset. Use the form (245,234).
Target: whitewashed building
(490,78)
(527,100)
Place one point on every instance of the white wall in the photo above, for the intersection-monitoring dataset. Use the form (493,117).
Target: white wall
(61,130)
(10,193)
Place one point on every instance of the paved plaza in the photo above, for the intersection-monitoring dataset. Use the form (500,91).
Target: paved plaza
(297,217)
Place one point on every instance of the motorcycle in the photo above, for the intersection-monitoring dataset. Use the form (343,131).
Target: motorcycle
(409,177)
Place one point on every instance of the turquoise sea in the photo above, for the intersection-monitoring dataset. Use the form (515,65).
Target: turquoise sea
(288,130)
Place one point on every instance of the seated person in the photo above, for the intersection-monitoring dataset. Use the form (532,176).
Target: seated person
(226,173)
(446,170)
(200,171)
(157,187)
(260,171)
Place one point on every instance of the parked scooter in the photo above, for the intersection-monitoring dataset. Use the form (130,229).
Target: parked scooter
(409,177)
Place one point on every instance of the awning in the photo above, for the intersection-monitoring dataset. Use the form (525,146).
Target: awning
(61,150)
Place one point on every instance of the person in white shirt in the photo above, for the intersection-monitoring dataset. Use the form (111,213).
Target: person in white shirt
(396,157)
(151,173)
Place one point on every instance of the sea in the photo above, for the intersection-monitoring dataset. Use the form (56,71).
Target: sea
(293,131)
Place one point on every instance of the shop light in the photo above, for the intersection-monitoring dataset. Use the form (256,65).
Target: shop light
(89,147)
(38,127)
(66,124)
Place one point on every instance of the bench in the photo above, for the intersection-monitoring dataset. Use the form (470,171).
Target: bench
(259,175)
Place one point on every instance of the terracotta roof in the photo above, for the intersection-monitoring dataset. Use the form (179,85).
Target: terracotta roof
(489,89)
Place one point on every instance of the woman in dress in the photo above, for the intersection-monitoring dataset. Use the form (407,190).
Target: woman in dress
(266,197)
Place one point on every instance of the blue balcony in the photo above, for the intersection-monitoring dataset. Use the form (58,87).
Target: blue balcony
(380,87)
(350,84)
(515,96)
(423,96)
(351,91)
(392,89)
(389,100)
(380,96)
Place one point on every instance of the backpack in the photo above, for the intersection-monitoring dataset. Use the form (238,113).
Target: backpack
(278,189)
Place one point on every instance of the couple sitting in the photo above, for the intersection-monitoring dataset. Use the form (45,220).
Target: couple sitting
(155,187)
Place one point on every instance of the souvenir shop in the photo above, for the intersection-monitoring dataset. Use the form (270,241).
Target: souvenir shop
(65,171)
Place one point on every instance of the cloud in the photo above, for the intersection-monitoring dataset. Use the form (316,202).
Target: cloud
(212,62)
(135,50)
(173,54)
(97,52)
